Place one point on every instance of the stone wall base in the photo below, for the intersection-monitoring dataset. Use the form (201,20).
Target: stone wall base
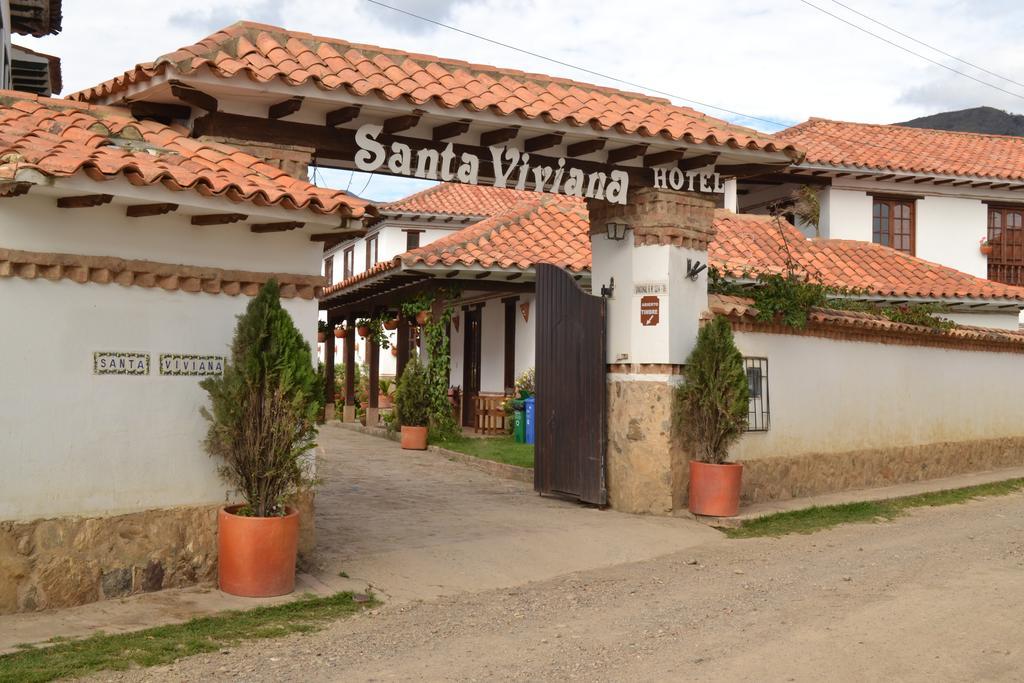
(68,561)
(816,473)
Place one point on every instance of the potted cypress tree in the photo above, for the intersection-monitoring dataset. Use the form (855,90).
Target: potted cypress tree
(711,409)
(262,417)
(412,405)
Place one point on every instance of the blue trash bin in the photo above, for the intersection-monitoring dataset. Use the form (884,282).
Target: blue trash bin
(530,421)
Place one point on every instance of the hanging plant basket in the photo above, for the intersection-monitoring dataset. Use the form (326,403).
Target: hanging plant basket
(391,324)
(340,332)
(986,249)
(321,337)
(422,318)
(363,330)
(394,351)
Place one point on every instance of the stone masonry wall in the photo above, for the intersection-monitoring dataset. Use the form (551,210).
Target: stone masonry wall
(68,561)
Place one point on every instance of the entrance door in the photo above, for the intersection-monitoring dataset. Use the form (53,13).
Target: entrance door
(569,457)
(471,367)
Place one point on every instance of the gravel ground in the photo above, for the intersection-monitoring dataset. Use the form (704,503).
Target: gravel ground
(936,596)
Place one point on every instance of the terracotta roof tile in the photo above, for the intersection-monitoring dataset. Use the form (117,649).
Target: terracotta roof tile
(59,138)
(911,150)
(458,199)
(265,53)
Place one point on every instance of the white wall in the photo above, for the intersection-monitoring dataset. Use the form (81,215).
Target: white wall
(949,230)
(845,214)
(72,442)
(492,347)
(829,396)
(1004,320)
(526,335)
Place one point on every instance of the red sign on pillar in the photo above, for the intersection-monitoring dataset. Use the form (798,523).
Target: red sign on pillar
(650,310)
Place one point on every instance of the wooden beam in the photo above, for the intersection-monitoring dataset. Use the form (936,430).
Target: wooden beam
(887,176)
(499,136)
(284,108)
(401,123)
(584,147)
(483,275)
(918,181)
(944,181)
(338,117)
(959,183)
(190,95)
(159,111)
(143,210)
(746,170)
(84,201)
(669,156)
(547,141)
(218,218)
(697,162)
(997,186)
(784,178)
(449,130)
(340,235)
(621,154)
(283,226)
(902,179)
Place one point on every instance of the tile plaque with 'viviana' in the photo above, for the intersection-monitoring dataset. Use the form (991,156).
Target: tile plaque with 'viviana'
(191,365)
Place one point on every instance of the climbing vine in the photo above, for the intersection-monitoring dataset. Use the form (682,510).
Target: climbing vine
(442,423)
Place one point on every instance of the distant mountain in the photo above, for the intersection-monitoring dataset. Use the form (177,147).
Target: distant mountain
(976,120)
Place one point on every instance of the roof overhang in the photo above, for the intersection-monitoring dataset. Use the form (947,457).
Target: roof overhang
(827,174)
(35,72)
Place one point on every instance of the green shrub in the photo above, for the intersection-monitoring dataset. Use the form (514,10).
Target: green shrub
(263,409)
(711,406)
(412,398)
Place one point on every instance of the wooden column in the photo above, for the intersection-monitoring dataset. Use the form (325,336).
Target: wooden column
(373,360)
(329,372)
(349,414)
(402,340)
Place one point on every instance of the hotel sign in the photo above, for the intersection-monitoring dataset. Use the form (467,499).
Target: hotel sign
(120,363)
(514,169)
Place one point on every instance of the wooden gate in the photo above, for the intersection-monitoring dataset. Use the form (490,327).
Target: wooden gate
(571,389)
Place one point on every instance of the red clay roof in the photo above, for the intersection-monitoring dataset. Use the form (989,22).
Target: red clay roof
(59,138)
(458,199)
(912,150)
(268,53)
(748,243)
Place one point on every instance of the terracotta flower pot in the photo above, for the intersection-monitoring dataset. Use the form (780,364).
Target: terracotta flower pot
(363,330)
(340,332)
(256,555)
(422,318)
(986,249)
(414,438)
(390,325)
(394,351)
(383,401)
(321,337)
(715,489)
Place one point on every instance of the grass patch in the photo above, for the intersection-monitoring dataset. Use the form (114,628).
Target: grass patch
(165,644)
(825,517)
(499,449)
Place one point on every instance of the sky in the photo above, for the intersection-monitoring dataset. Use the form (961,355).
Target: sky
(772,63)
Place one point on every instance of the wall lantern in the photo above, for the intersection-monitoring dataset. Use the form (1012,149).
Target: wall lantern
(616,231)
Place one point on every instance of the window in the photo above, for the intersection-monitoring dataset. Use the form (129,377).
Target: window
(371,251)
(349,258)
(757,384)
(892,223)
(1006,236)
(329,269)
(412,239)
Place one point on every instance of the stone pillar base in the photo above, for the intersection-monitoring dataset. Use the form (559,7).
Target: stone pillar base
(372,417)
(328,412)
(348,414)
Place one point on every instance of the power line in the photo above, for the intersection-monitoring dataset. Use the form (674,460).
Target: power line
(642,87)
(930,47)
(909,51)
(362,191)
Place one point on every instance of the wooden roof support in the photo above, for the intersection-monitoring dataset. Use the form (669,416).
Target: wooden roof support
(401,123)
(284,108)
(546,141)
(745,170)
(449,130)
(194,97)
(918,181)
(84,201)
(159,111)
(283,226)
(697,162)
(999,186)
(669,156)
(584,147)
(144,210)
(341,116)
(626,153)
(483,275)
(497,137)
(14,189)
(902,179)
(944,181)
(218,218)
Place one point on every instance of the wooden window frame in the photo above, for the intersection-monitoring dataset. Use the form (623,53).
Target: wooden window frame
(891,201)
(1006,262)
(348,260)
(329,269)
(372,250)
(412,236)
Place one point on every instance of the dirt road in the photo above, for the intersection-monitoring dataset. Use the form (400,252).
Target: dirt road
(937,596)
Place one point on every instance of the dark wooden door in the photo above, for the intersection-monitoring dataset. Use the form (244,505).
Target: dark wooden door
(571,389)
(471,366)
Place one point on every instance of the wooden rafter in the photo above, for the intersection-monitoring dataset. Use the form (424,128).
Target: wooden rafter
(584,147)
(144,210)
(697,162)
(83,201)
(746,170)
(218,218)
(668,156)
(283,226)
(341,116)
(546,141)
(398,124)
(284,108)
(193,96)
(499,136)
(616,156)
(449,130)
(160,111)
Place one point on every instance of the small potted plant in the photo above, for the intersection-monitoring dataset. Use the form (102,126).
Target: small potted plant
(391,324)
(262,427)
(394,351)
(321,331)
(986,247)
(711,409)
(385,391)
(412,403)
(363,327)
(340,332)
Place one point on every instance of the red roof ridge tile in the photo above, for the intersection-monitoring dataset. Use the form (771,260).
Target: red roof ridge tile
(899,127)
